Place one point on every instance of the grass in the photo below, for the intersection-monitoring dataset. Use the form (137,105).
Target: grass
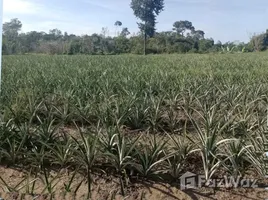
(216,104)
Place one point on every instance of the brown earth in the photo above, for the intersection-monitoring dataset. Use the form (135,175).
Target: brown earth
(108,188)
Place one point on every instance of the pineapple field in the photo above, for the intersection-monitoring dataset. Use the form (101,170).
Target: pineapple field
(128,126)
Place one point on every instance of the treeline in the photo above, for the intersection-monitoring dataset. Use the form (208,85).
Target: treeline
(183,39)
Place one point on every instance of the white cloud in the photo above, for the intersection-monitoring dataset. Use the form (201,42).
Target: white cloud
(40,16)
(24,7)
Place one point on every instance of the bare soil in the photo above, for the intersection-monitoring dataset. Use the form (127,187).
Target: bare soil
(104,188)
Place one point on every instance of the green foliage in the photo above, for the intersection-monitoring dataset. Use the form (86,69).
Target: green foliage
(206,112)
(147,11)
(118,23)
(11,36)
(150,156)
(184,39)
(260,42)
(86,153)
(181,26)
(122,44)
(205,44)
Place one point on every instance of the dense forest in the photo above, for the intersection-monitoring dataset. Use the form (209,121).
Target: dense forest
(184,38)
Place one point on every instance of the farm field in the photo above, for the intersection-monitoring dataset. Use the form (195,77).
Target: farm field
(75,127)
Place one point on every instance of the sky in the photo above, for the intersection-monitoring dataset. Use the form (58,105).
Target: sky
(224,20)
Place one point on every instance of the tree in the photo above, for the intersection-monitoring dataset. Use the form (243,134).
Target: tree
(147,11)
(124,32)
(259,42)
(185,39)
(122,45)
(205,45)
(10,40)
(181,26)
(117,24)
(104,32)
(12,28)
(199,35)
(30,41)
(55,34)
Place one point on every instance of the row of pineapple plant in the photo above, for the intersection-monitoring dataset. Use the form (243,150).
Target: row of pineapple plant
(133,118)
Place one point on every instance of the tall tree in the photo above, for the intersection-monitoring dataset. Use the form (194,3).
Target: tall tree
(11,36)
(198,34)
(259,42)
(117,24)
(181,26)
(125,32)
(12,28)
(147,11)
